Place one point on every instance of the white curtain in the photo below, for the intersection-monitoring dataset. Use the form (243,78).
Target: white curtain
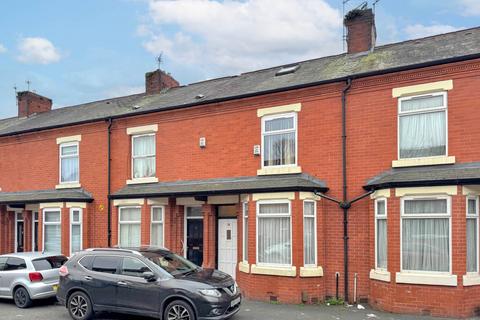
(144,156)
(425,206)
(76,238)
(53,240)
(382,243)
(157,234)
(130,227)
(274,242)
(472,244)
(425,244)
(69,163)
(279,149)
(245,231)
(309,232)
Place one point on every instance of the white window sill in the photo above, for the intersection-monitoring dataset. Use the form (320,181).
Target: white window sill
(306,272)
(381,275)
(428,161)
(142,180)
(279,170)
(471,279)
(274,271)
(427,278)
(68,185)
(244,267)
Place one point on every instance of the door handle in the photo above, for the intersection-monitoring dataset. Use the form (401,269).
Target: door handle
(88,278)
(122,283)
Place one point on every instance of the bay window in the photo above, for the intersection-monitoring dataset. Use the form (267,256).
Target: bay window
(129,226)
(143,156)
(279,139)
(75,230)
(472,234)
(245,231)
(156,230)
(426,241)
(309,233)
(274,237)
(381,239)
(422,126)
(52,230)
(69,163)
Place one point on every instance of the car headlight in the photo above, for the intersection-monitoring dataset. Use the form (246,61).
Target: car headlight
(211,293)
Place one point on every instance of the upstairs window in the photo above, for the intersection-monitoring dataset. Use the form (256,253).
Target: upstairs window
(143,156)
(422,126)
(279,140)
(69,164)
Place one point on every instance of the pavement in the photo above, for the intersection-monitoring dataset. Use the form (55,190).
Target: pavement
(250,310)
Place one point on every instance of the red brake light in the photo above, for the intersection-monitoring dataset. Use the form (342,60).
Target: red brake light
(63,271)
(35,276)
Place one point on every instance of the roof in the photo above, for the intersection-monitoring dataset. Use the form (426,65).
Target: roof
(444,48)
(36,196)
(464,173)
(295,182)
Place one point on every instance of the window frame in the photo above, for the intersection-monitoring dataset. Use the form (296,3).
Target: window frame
(376,218)
(162,222)
(314,232)
(419,216)
(79,223)
(259,216)
(406,113)
(44,223)
(120,223)
(245,216)
(133,157)
(34,230)
(60,157)
(476,217)
(264,134)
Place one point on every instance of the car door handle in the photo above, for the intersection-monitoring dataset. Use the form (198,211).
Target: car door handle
(88,278)
(122,283)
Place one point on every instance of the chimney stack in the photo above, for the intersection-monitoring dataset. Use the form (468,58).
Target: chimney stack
(30,103)
(158,80)
(361,32)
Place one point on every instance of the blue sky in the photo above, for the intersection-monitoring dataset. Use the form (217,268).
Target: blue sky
(80,51)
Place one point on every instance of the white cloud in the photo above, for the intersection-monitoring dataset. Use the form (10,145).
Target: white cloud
(236,36)
(37,50)
(471,7)
(2,48)
(420,30)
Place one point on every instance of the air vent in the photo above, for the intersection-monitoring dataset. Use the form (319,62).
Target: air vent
(199,96)
(287,70)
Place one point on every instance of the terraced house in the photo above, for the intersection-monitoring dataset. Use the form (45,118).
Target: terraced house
(360,169)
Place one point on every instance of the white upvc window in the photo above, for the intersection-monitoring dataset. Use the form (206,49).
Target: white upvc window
(274,233)
(423,126)
(129,226)
(309,233)
(381,238)
(472,234)
(156,229)
(69,163)
(426,234)
(143,156)
(279,140)
(245,232)
(52,230)
(76,229)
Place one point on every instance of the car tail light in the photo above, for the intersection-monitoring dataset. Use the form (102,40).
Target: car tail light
(35,276)
(63,271)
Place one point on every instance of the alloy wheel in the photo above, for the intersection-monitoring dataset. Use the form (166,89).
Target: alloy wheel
(178,312)
(20,297)
(78,306)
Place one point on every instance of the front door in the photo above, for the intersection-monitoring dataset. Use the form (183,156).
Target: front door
(20,233)
(195,240)
(227,246)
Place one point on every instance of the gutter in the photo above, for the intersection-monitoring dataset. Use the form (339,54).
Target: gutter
(426,183)
(249,95)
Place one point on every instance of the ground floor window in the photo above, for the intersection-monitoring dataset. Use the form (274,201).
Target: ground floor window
(156,232)
(309,233)
(381,234)
(129,226)
(426,234)
(472,234)
(245,231)
(52,230)
(75,230)
(35,231)
(274,237)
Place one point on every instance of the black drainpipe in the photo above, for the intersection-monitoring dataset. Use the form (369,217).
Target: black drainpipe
(109,206)
(345,204)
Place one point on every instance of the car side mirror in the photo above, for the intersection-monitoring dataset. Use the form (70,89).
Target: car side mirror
(149,276)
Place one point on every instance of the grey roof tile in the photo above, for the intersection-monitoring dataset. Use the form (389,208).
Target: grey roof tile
(37,196)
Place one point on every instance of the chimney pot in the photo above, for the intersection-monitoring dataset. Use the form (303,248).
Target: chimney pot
(30,103)
(158,80)
(361,32)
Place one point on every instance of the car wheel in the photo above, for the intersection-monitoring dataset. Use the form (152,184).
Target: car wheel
(22,298)
(79,306)
(179,310)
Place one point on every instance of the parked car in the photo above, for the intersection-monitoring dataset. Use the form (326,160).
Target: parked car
(29,276)
(146,281)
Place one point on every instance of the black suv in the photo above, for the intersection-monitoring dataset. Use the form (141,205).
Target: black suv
(145,281)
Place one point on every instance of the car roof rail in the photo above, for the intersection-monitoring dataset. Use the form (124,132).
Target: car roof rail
(114,250)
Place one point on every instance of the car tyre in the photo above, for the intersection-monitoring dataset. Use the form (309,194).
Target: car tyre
(22,298)
(179,310)
(79,306)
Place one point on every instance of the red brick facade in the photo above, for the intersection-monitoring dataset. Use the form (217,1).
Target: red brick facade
(30,162)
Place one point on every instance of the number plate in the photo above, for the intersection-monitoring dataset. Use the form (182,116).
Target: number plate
(235,302)
(55,287)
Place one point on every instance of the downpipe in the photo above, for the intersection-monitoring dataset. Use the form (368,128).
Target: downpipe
(109,205)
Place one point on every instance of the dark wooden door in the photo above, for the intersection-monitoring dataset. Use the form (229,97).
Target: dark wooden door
(195,241)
